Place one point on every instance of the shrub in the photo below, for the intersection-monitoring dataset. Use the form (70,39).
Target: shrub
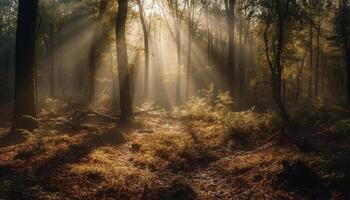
(342,128)
(218,107)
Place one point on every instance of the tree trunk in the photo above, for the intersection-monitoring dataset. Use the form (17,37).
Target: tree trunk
(24,107)
(300,73)
(178,53)
(311,60)
(122,61)
(189,47)
(146,46)
(317,60)
(279,67)
(348,74)
(231,66)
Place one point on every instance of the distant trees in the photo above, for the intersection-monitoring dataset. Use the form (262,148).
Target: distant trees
(24,108)
(285,51)
(122,61)
(7,40)
(94,50)
(176,11)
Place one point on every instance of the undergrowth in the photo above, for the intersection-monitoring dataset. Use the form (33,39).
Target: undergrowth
(218,107)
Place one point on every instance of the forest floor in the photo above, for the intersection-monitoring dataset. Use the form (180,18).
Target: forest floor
(164,157)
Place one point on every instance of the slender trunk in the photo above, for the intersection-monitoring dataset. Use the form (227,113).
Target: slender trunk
(25,65)
(240,71)
(311,60)
(178,76)
(231,66)
(317,60)
(348,74)
(122,61)
(112,76)
(189,47)
(61,72)
(279,67)
(51,57)
(300,72)
(146,46)
(178,54)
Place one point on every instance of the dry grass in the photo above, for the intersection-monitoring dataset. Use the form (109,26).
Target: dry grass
(115,163)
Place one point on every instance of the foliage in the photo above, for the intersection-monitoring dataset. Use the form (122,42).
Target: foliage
(211,107)
(342,128)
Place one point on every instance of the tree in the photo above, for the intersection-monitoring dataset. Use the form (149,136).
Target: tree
(231,66)
(24,108)
(93,56)
(145,29)
(342,30)
(122,61)
(276,14)
(176,11)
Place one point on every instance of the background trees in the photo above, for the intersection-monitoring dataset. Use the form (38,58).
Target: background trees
(285,52)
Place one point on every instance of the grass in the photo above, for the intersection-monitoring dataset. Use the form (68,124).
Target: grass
(213,153)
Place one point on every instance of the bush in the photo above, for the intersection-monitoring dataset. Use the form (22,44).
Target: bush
(342,128)
(218,107)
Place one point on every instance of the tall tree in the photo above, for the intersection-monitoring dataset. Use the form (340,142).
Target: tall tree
(276,14)
(145,29)
(24,108)
(176,12)
(191,30)
(231,65)
(94,50)
(122,61)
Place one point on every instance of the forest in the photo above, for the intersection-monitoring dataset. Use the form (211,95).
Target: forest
(175,99)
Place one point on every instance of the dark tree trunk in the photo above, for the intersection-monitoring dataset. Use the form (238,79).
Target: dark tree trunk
(278,80)
(348,74)
(122,61)
(231,66)
(24,107)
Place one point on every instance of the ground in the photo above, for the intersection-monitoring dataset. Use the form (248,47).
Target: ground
(160,157)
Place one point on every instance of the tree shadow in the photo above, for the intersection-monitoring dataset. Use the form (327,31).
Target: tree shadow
(12,139)
(39,178)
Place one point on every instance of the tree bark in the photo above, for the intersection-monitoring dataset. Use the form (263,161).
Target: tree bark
(231,65)
(278,80)
(122,61)
(24,107)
